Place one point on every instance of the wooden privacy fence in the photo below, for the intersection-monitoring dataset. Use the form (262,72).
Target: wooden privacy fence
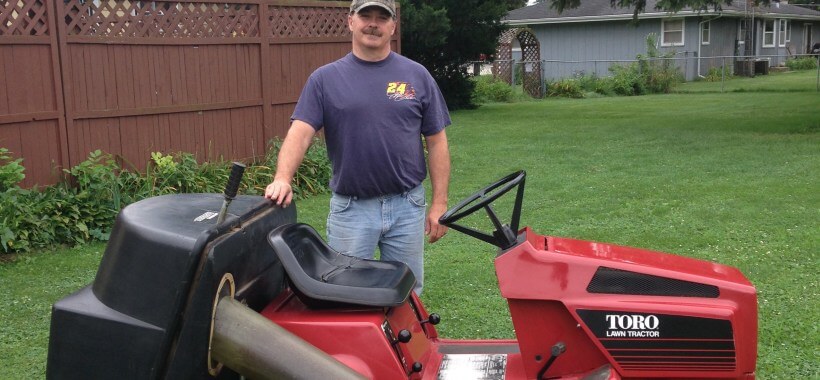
(215,78)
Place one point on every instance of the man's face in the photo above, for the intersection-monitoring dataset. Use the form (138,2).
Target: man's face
(372,27)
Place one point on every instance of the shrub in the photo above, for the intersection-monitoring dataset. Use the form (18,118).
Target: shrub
(490,89)
(660,76)
(181,173)
(519,73)
(588,83)
(627,80)
(804,63)
(716,74)
(11,171)
(97,193)
(313,176)
(568,88)
(36,219)
(592,83)
(657,70)
(84,208)
(603,86)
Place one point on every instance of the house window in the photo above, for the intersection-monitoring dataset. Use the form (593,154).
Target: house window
(785,30)
(704,33)
(672,32)
(768,33)
(781,36)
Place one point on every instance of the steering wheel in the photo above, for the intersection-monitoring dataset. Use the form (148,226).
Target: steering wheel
(504,236)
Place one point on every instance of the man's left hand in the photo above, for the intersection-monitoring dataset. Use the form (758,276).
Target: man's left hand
(432,228)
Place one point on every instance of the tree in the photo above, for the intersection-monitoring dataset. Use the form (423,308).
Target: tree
(444,35)
(639,6)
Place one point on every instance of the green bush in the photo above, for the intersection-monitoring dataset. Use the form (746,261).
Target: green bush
(36,219)
(717,74)
(84,208)
(567,88)
(658,71)
(519,73)
(653,73)
(660,76)
(489,89)
(11,171)
(594,84)
(603,86)
(804,63)
(626,80)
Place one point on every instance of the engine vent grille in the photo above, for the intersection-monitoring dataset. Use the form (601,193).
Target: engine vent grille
(617,281)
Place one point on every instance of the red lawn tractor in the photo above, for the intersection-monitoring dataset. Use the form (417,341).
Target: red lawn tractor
(186,292)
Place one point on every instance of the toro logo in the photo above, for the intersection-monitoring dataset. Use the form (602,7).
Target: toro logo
(632,325)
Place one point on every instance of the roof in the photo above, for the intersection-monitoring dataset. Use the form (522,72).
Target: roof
(602,10)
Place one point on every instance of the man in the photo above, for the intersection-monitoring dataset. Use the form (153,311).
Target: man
(375,106)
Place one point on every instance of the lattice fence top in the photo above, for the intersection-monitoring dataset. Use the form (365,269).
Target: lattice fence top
(133,18)
(130,18)
(530,59)
(23,18)
(301,22)
(530,47)
(507,36)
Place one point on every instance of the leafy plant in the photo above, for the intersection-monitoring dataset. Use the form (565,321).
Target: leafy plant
(567,88)
(444,35)
(653,73)
(627,80)
(804,63)
(490,89)
(83,209)
(312,177)
(11,171)
(657,70)
(97,191)
(717,74)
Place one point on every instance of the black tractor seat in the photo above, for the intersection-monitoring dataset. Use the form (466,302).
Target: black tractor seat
(323,278)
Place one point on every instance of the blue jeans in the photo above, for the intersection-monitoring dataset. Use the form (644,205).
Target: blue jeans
(393,223)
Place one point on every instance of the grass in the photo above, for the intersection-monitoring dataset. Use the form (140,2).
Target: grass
(789,81)
(31,284)
(729,177)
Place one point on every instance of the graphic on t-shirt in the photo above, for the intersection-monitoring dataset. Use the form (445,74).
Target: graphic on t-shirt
(399,91)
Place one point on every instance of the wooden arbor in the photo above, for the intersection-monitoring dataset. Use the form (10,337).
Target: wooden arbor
(530,59)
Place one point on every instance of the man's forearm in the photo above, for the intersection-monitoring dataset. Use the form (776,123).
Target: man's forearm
(439,165)
(293,150)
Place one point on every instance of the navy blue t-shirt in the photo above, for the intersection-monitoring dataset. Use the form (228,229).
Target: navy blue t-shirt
(373,115)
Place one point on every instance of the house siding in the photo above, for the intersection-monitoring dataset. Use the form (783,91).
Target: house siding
(593,37)
(723,43)
(797,44)
(583,42)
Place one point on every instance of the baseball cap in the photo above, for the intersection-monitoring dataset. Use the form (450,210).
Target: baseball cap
(389,5)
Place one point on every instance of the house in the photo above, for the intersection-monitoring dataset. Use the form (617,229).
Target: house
(590,38)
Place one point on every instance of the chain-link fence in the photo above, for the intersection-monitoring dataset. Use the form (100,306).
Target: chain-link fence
(690,68)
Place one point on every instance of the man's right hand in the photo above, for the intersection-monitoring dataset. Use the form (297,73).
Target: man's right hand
(280,192)
(293,149)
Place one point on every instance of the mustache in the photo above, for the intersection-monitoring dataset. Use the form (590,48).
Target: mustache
(372,31)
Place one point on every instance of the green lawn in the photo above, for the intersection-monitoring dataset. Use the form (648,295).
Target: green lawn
(790,81)
(731,177)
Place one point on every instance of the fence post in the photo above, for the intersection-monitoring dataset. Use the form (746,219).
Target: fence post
(722,73)
(543,79)
(512,73)
(817,86)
